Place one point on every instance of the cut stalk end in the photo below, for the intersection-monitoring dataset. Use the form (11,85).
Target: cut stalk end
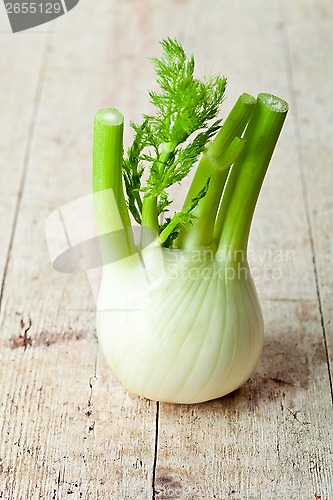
(109,116)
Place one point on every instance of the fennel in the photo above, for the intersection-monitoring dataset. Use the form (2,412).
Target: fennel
(178,317)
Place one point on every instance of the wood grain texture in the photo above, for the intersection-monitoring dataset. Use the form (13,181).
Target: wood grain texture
(68,429)
(54,445)
(20,86)
(262,441)
(313,123)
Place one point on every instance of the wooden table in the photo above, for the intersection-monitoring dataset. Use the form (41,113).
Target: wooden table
(68,428)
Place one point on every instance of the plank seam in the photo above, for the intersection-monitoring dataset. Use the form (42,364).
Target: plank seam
(300,161)
(26,159)
(155,449)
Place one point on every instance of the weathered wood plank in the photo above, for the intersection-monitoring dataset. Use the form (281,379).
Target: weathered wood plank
(19,99)
(68,427)
(271,438)
(310,42)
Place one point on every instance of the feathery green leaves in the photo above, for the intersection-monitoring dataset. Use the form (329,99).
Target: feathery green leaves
(172,226)
(184,105)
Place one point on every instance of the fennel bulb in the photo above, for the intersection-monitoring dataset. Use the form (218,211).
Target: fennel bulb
(189,332)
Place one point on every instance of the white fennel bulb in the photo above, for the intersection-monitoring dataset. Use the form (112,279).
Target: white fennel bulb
(185,329)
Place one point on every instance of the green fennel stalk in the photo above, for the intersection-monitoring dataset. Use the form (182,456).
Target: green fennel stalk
(110,206)
(234,157)
(220,154)
(248,174)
